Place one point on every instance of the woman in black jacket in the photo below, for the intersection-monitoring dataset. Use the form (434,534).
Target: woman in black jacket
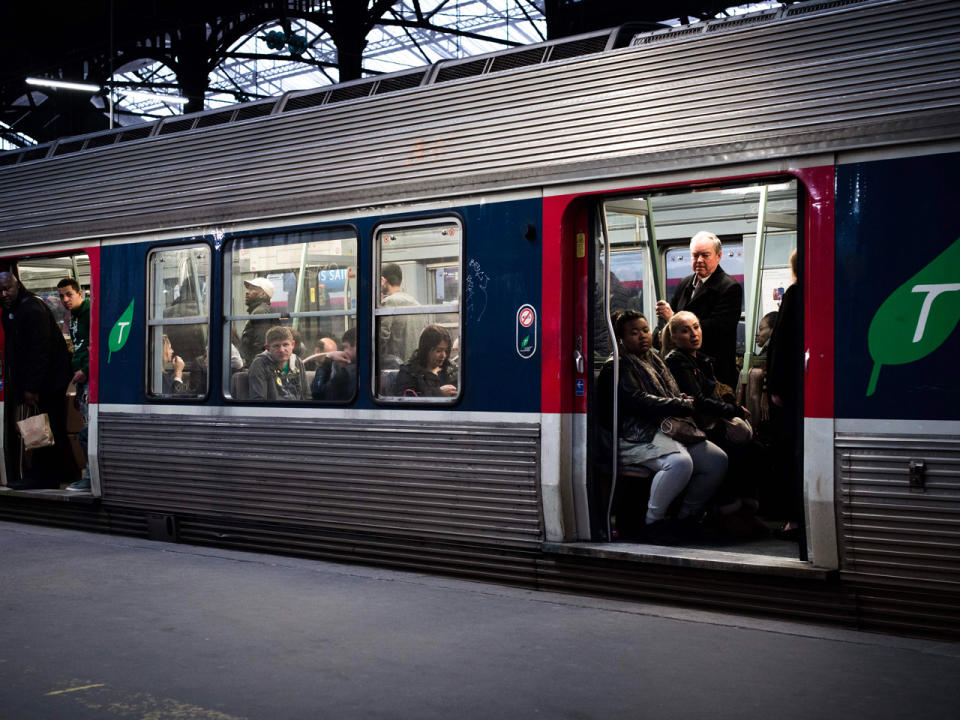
(646,395)
(737,498)
(429,372)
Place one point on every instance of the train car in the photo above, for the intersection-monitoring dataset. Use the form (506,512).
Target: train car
(523,196)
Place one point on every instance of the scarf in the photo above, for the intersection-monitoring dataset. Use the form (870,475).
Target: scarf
(650,373)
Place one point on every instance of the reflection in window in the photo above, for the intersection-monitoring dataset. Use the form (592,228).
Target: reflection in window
(417,311)
(178,321)
(306,282)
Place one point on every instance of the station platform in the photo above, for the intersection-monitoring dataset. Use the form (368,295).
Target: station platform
(101,626)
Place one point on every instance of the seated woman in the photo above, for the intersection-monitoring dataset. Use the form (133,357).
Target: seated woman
(648,394)
(172,380)
(429,372)
(693,371)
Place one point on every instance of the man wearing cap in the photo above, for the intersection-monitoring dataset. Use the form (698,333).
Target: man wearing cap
(258,295)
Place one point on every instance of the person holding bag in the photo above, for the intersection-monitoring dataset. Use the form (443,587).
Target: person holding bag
(37,373)
(647,395)
(721,418)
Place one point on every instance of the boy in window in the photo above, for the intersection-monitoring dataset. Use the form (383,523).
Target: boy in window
(277,373)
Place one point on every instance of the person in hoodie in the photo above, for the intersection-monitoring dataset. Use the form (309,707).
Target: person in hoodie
(277,374)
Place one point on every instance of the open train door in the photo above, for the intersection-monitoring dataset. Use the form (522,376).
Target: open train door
(41,274)
(637,253)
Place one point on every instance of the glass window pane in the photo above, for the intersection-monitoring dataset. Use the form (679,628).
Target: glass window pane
(417,312)
(175,372)
(179,321)
(180,279)
(432,370)
(420,265)
(305,281)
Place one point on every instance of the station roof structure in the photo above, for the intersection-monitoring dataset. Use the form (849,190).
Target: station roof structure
(146,61)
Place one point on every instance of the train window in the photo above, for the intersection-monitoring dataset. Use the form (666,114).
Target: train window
(417,311)
(178,318)
(306,282)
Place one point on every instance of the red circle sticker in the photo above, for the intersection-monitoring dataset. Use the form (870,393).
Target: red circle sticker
(526,317)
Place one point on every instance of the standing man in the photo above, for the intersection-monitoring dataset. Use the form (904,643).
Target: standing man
(259,292)
(73,300)
(399,335)
(37,372)
(716,299)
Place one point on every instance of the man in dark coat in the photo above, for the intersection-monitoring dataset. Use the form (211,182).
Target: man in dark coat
(37,372)
(259,292)
(716,299)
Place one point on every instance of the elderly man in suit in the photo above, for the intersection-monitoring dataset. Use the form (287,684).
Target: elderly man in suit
(716,299)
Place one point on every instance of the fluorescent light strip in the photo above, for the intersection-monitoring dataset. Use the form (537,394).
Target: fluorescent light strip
(43,82)
(142,95)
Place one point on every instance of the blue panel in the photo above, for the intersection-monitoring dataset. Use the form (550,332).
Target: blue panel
(501,271)
(895,218)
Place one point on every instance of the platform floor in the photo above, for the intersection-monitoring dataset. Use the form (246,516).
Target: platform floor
(97,626)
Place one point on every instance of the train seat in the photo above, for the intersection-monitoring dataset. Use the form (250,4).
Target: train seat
(387,378)
(240,385)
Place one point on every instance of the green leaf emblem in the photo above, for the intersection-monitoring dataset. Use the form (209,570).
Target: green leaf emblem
(121,331)
(918,316)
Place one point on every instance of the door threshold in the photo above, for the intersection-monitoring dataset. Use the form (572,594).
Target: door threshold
(705,558)
(81,496)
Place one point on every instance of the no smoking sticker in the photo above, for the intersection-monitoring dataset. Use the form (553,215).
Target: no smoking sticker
(526,331)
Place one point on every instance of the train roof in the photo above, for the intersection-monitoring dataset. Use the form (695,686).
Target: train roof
(804,79)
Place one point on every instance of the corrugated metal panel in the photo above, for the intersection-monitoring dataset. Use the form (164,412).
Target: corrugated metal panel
(890,531)
(849,79)
(476,482)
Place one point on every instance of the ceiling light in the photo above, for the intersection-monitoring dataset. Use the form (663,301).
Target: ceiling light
(85,87)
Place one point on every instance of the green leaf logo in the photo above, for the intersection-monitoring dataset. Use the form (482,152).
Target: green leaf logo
(918,316)
(121,331)
(526,341)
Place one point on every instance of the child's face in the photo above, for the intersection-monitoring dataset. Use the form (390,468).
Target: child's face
(351,351)
(280,350)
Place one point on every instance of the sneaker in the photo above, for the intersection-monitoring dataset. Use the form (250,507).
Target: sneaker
(81,485)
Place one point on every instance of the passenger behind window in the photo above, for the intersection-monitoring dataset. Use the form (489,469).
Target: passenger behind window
(725,424)
(429,372)
(336,376)
(764,331)
(277,373)
(172,382)
(257,296)
(398,333)
(646,396)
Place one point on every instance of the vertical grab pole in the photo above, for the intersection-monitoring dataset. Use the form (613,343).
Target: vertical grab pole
(195,280)
(654,253)
(616,364)
(751,318)
(300,285)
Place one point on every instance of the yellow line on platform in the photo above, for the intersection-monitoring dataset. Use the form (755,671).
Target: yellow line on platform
(82,687)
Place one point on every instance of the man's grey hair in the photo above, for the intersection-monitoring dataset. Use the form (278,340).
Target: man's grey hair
(706,235)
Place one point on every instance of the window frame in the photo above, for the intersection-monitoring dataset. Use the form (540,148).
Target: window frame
(377,311)
(150,322)
(227,319)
